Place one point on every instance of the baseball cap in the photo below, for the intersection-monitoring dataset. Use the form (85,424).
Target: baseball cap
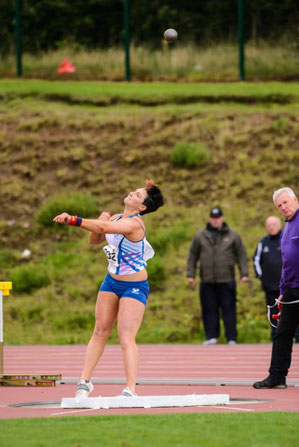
(216,211)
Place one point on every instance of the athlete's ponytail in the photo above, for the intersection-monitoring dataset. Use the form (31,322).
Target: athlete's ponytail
(154,197)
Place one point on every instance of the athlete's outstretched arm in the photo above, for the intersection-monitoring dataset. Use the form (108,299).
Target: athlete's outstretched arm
(123,226)
(99,238)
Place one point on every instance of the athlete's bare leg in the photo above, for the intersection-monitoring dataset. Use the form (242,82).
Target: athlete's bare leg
(129,318)
(105,315)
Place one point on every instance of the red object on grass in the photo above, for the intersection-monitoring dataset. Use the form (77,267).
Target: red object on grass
(66,67)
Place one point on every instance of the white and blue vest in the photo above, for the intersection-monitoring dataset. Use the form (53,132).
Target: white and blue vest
(124,256)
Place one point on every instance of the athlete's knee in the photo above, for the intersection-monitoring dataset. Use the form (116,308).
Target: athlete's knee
(101,330)
(126,338)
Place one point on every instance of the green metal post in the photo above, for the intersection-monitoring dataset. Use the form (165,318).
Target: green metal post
(18,37)
(241,39)
(127,39)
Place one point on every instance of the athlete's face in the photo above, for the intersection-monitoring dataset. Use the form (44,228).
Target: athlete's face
(287,205)
(136,198)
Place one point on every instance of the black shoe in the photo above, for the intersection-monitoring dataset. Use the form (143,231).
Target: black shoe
(270,383)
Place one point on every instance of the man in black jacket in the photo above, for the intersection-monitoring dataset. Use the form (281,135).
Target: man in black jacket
(217,248)
(267,264)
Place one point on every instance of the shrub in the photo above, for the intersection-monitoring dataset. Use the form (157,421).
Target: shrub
(280,125)
(170,237)
(156,272)
(78,204)
(74,322)
(29,277)
(59,260)
(34,313)
(190,155)
(7,258)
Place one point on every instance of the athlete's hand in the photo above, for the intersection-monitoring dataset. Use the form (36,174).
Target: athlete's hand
(105,215)
(63,219)
(280,298)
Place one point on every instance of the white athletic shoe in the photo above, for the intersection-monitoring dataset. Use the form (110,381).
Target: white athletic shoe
(127,392)
(85,387)
(210,341)
(231,342)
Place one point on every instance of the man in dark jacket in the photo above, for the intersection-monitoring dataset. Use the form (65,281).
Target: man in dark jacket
(217,248)
(267,264)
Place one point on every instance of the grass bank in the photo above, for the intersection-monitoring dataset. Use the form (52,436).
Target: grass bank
(51,150)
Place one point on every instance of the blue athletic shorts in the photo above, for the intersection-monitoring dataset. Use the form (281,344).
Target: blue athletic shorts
(138,290)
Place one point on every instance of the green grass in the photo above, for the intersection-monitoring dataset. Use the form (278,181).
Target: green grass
(148,93)
(77,204)
(173,430)
(190,155)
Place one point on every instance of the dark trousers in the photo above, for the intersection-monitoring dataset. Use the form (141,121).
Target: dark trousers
(215,297)
(271,296)
(283,340)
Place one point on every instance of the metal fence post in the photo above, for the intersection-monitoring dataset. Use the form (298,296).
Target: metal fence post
(241,39)
(127,39)
(18,37)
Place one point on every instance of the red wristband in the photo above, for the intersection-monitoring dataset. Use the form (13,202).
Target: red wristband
(73,220)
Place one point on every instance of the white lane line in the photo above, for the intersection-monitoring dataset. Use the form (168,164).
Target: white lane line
(83,410)
(94,409)
(160,366)
(213,362)
(145,363)
(154,358)
(233,408)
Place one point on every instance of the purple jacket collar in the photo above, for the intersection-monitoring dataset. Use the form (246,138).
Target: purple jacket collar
(296,213)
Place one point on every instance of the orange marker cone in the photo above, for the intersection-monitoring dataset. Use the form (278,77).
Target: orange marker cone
(66,67)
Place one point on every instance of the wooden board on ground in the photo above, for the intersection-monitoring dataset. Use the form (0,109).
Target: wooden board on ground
(30,376)
(29,379)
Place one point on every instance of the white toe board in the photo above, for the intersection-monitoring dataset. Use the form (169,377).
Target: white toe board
(189,400)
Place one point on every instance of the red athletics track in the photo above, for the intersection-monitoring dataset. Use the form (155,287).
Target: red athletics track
(164,370)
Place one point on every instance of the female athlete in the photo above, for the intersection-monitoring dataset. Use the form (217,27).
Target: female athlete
(123,294)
